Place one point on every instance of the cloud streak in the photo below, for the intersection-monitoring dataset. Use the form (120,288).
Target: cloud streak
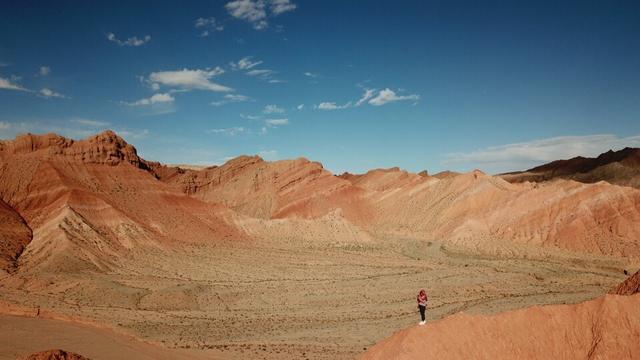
(8,84)
(333,106)
(232,131)
(255,11)
(231,98)
(388,96)
(272,109)
(159,98)
(251,11)
(48,93)
(244,64)
(186,79)
(205,25)
(130,42)
(276,122)
(383,97)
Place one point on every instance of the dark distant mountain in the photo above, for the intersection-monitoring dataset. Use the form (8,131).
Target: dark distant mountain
(616,167)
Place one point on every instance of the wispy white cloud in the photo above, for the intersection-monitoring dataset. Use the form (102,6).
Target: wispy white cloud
(187,79)
(384,96)
(48,93)
(524,155)
(73,128)
(205,25)
(255,11)
(311,75)
(44,70)
(250,117)
(368,94)
(269,155)
(231,98)
(88,122)
(276,122)
(232,131)
(272,109)
(248,65)
(10,129)
(245,63)
(159,98)
(300,107)
(11,84)
(132,41)
(281,6)
(249,10)
(260,72)
(333,106)
(129,135)
(387,96)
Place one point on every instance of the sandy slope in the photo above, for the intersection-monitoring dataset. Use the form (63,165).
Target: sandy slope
(22,336)
(605,328)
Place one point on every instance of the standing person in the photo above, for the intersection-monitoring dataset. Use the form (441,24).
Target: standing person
(422,305)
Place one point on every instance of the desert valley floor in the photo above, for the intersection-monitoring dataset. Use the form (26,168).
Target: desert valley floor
(291,301)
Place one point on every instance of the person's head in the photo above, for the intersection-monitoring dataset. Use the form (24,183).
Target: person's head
(423,293)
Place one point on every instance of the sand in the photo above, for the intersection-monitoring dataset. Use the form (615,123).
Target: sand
(307,300)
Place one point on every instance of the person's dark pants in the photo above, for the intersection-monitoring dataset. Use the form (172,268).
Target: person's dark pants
(422,310)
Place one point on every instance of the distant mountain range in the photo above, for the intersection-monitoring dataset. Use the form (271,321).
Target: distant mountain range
(73,205)
(616,167)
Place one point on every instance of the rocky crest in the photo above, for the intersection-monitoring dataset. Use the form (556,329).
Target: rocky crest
(104,148)
(616,167)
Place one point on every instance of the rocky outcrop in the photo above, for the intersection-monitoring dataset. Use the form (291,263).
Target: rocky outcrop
(14,237)
(56,354)
(104,148)
(630,286)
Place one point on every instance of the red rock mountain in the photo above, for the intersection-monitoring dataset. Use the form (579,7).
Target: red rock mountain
(267,190)
(472,210)
(90,201)
(616,167)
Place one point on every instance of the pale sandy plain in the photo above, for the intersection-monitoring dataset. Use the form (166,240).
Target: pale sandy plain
(289,302)
(281,260)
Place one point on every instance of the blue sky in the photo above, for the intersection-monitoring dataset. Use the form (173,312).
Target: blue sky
(421,85)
